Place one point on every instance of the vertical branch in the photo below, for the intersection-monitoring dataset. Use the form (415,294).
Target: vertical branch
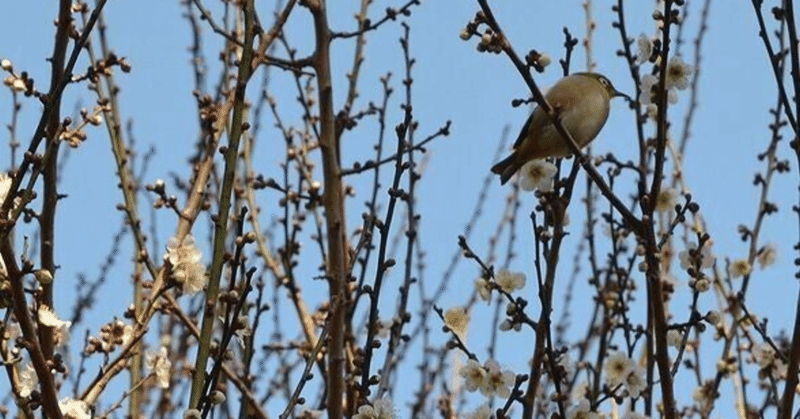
(654,286)
(411,221)
(358,57)
(26,324)
(787,400)
(333,201)
(221,221)
(47,219)
(694,87)
(128,187)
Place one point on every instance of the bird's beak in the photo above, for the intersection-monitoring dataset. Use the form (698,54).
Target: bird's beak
(620,94)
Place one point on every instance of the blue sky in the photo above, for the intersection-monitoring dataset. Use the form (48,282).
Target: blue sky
(452,82)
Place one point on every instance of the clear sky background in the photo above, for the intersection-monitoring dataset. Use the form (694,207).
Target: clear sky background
(451,82)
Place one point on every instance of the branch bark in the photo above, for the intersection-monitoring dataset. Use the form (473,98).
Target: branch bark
(221,223)
(333,200)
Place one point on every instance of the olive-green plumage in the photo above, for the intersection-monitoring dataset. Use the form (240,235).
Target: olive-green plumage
(582,103)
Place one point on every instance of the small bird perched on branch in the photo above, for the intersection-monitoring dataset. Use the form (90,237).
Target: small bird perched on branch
(581,101)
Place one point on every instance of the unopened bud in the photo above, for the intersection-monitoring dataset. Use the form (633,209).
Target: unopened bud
(43,276)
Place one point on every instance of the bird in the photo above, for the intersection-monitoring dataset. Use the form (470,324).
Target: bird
(582,103)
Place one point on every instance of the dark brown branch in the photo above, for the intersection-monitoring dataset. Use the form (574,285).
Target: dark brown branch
(367,25)
(333,200)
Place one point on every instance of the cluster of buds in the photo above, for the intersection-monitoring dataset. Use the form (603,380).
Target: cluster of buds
(696,258)
(209,109)
(674,15)
(74,136)
(538,60)
(104,68)
(159,188)
(516,316)
(20,83)
(113,334)
(491,41)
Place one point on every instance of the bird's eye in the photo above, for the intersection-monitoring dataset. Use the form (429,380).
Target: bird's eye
(604,81)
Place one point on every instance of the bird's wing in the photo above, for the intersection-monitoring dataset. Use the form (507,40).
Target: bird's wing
(523,133)
(557,98)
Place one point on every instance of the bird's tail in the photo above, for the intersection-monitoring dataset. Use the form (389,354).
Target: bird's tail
(506,168)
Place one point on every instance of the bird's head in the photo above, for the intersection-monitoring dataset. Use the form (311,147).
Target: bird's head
(606,83)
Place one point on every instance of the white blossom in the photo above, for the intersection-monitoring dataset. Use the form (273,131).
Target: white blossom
(672,96)
(666,200)
(565,362)
(457,320)
(652,110)
(704,395)
(739,268)
(582,410)
(186,266)
(498,382)
(537,174)
(635,382)
(713,317)
(127,335)
(674,338)
(482,412)
(380,409)
(19,85)
(48,318)
(617,368)
(767,256)
(678,73)
(28,380)
(706,257)
(507,325)
(474,375)
(769,361)
(482,285)
(5,186)
(544,59)
(74,409)
(160,364)
(648,83)
(645,45)
(510,281)
(702,285)
(384,328)
(580,391)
